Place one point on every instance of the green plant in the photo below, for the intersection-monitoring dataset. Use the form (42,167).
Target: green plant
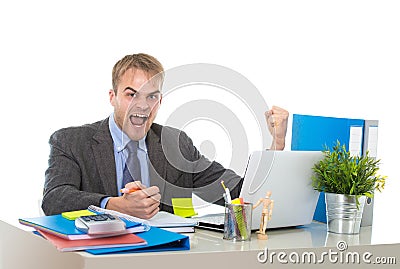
(339,172)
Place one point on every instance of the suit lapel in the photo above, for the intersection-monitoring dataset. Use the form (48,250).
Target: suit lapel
(157,160)
(103,152)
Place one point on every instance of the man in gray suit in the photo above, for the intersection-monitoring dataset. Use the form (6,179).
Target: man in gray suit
(87,164)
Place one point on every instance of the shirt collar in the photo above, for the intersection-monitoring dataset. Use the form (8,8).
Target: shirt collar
(120,138)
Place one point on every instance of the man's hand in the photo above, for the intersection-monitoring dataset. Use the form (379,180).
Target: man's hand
(137,201)
(277,120)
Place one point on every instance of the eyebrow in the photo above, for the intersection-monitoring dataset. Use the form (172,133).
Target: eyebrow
(157,91)
(129,88)
(132,89)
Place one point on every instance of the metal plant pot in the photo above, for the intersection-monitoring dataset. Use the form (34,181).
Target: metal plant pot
(342,213)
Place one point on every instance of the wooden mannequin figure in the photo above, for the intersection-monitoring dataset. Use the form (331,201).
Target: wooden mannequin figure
(266,214)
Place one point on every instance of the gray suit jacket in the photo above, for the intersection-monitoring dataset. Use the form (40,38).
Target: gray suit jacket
(82,170)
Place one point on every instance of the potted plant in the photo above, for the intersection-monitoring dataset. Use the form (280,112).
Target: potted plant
(347,181)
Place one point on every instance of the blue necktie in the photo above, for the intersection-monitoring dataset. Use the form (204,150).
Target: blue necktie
(132,165)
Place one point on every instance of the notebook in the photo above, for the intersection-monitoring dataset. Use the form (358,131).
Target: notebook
(287,174)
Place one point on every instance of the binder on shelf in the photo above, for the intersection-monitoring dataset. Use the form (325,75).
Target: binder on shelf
(157,240)
(371,137)
(315,132)
(370,145)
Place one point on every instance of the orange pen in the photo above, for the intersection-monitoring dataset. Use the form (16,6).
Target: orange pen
(125,190)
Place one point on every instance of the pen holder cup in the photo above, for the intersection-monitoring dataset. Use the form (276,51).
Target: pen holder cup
(237,223)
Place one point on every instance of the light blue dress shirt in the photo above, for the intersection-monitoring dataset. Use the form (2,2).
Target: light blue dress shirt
(120,140)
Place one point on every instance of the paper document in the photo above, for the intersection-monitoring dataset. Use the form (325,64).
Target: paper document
(204,208)
(210,216)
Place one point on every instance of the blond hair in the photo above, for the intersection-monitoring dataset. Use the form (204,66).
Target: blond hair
(140,61)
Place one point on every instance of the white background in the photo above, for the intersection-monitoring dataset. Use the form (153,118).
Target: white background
(333,58)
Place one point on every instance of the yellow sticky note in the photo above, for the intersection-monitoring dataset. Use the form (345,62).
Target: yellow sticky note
(237,201)
(72,215)
(183,207)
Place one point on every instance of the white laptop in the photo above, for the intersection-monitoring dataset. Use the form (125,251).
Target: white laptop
(287,174)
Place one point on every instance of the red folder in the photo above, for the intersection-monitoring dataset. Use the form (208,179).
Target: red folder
(62,244)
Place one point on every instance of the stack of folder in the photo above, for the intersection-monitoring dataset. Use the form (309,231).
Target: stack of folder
(137,237)
(62,244)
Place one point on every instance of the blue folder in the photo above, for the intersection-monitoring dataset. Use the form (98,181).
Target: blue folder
(60,226)
(314,133)
(157,240)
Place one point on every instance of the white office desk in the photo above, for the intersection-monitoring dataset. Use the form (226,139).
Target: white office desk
(22,249)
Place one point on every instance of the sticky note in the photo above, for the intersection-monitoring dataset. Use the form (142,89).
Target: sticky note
(72,215)
(183,207)
(237,201)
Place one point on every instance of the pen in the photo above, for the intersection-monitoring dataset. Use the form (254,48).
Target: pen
(227,193)
(125,190)
(225,198)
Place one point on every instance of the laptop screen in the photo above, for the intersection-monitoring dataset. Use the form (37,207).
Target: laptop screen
(287,174)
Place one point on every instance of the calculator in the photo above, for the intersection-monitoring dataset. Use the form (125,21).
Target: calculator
(100,224)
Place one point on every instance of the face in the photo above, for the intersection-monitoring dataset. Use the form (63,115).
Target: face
(136,103)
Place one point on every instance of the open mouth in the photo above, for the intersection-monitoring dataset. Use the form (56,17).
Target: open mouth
(138,119)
